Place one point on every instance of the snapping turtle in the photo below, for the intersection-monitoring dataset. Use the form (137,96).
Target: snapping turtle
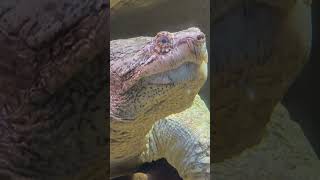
(150,79)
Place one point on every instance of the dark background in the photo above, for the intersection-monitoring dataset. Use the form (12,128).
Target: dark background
(302,98)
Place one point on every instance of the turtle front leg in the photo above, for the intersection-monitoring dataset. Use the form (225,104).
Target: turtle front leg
(184,141)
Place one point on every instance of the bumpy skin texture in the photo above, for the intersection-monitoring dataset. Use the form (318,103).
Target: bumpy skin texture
(259,49)
(189,129)
(148,83)
(51,75)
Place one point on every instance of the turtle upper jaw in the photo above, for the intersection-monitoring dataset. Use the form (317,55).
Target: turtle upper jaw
(182,62)
(146,82)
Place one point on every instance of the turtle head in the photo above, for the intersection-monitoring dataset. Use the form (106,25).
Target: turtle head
(160,76)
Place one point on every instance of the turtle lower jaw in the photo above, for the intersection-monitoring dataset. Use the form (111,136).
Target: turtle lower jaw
(184,73)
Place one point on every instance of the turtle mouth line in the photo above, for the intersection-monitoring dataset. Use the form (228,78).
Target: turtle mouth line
(190,67)
(196,47)
(185,72)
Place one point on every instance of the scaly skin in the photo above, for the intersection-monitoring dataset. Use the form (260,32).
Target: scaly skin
(189,129)
(149,80)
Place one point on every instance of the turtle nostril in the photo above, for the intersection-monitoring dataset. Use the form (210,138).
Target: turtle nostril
(200,37)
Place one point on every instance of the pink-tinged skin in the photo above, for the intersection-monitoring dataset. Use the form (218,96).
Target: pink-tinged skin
(151,78)
(150,61)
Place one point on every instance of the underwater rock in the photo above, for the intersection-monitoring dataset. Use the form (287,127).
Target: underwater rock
(258,51)
(283,153)
(52,101)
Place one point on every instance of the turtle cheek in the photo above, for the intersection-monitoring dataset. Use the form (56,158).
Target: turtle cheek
(157,49)
(165,50)
(162,49)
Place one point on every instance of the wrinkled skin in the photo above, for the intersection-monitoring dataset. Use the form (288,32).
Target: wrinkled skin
(142,69)
(52,113)
(151,78)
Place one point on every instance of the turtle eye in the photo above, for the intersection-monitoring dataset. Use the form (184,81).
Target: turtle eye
(164,40)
